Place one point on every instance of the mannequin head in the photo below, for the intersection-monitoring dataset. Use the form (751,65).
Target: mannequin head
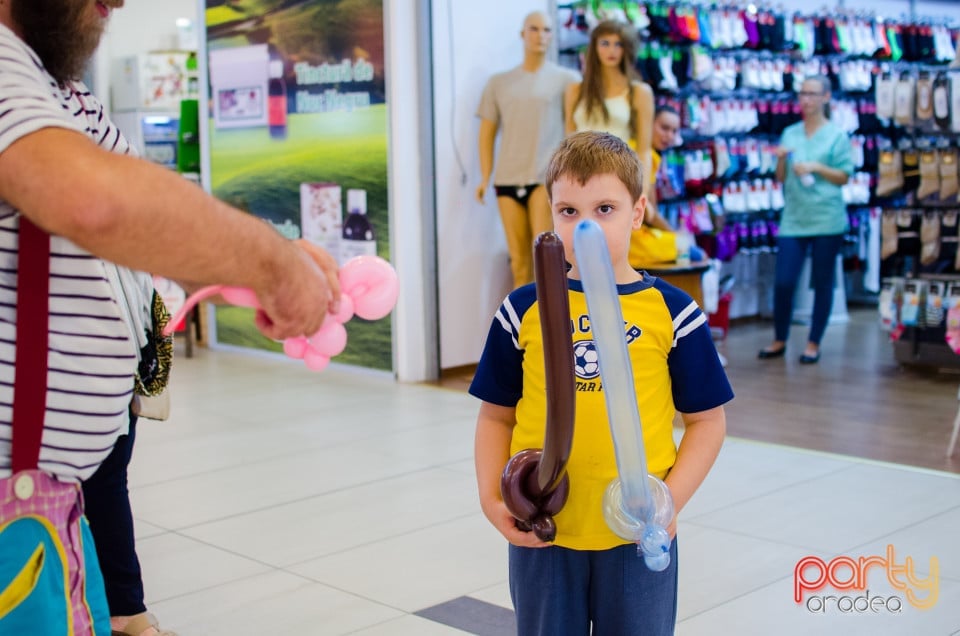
(536,34)
(666,128)
(814,97)
(612,45)
(612,48)
(64,33)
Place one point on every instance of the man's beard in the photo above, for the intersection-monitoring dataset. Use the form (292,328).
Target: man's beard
(60,34)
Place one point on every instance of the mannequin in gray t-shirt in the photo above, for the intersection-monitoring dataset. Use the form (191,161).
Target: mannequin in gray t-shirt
(525,105)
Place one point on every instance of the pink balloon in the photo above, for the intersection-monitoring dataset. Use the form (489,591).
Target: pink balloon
(346,310)
(372,284)
(295,347)
(331,340)
(369,286)
(240,296)
(316,361)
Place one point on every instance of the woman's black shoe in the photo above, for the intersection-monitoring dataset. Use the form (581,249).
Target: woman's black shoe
(805,359)
(766,354)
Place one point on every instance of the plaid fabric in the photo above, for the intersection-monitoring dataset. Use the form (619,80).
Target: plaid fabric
(69,587)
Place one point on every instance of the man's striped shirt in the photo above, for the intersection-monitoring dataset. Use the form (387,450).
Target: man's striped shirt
(92,357)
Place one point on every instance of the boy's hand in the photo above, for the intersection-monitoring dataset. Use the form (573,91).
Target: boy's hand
(672,528)
(506,524)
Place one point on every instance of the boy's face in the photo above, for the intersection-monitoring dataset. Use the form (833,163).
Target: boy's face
(606,200)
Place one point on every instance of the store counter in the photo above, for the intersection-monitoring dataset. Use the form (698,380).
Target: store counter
(686,277)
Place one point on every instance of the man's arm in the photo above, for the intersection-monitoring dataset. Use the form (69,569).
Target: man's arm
(140,215)
(485,144)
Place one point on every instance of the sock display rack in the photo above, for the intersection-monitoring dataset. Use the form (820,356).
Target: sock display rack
(731,70)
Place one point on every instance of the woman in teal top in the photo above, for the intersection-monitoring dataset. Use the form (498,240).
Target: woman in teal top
(813,161)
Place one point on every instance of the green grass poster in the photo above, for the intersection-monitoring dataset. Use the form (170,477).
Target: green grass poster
(298,137)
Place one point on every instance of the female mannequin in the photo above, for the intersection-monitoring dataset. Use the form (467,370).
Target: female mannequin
(612,98)
(526,105)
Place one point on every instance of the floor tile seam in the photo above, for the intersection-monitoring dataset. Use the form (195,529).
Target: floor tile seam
(306,580)
(842,457)
(153,600)
(396,535)
(907,526)
(854,459)
(255,462)
(773,491)
(734,598)
(270,567)
(279,504)
(707,526)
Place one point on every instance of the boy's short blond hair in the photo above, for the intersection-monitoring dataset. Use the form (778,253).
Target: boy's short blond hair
(584,155)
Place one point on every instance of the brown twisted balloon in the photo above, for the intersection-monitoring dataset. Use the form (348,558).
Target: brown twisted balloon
(534,483)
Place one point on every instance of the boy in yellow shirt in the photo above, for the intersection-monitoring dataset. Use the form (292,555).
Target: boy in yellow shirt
(588,575)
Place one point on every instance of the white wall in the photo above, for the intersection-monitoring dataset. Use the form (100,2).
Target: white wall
(471,41)
(140,26)
(147,25)
(411,245)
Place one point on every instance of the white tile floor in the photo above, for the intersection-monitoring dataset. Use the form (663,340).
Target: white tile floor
(276,501)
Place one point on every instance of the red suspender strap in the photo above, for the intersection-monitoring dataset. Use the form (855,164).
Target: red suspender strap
(30,368)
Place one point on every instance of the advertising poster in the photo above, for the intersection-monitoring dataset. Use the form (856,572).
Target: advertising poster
(298,137)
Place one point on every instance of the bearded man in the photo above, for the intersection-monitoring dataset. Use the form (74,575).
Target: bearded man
(74,208)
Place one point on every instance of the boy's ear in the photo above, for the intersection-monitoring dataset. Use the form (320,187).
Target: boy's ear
(639,209)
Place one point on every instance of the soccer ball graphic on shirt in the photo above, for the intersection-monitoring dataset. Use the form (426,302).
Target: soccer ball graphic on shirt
(586,362)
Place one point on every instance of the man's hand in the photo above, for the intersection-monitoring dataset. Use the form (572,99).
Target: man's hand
(301,294)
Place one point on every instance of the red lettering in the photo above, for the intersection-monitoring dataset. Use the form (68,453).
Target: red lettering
(850,583)
(800,583)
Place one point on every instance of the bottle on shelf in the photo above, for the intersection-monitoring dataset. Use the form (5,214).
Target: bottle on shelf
(358,238)
(276,97)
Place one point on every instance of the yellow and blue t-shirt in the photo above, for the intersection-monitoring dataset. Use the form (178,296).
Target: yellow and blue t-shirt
(675,367)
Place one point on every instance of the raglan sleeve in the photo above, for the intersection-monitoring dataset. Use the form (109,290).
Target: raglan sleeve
(697,376)
(499,376)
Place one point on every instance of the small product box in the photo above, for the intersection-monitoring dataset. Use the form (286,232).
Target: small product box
(321,215)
